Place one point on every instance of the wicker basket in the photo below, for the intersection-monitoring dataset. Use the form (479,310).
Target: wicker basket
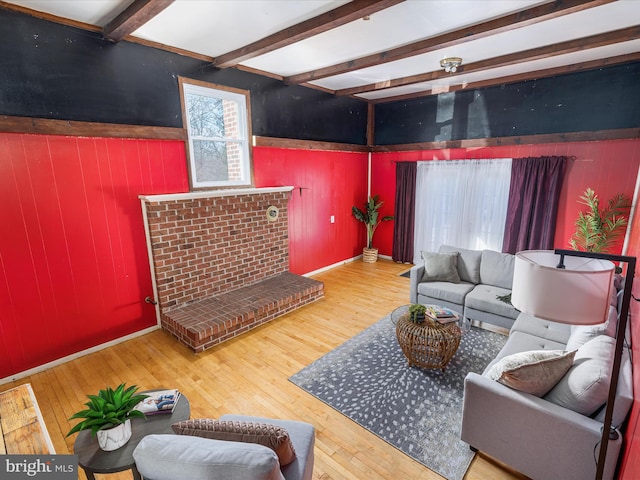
(370,255)
(429,344)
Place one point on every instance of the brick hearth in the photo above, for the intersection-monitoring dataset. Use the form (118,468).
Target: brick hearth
(206,323)
(220,266)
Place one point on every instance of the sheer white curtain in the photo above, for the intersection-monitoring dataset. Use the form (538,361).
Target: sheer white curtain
(461,203)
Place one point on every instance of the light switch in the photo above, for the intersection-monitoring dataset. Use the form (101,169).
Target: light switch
(333,219)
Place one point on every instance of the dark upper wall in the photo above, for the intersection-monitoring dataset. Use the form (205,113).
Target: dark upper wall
(603,99)
(54,71)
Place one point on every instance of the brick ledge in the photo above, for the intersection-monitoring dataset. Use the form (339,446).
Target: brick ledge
(208,322)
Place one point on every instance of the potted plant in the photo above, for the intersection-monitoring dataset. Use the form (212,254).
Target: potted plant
(109,416)
(370,217)
(598,229)
(417,313)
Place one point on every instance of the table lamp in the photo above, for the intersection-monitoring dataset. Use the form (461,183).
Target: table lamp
(573,287)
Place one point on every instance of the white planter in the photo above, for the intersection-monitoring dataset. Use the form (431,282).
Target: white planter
(115,437)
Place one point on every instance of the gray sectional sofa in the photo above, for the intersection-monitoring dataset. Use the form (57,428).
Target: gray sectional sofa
(550,435)
(554,436)
(482,277)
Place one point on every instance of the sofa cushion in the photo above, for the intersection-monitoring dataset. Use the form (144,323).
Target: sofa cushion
(453,293)
(581,334)
(440,267)
(523,342)
(558,332)
(535,372)
(624,393)
(585,387)
(497,269)
(468,263)
(272,436)
(485,298)
(167,457)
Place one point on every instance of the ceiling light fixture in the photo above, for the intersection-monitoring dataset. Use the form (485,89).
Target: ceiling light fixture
(451,64)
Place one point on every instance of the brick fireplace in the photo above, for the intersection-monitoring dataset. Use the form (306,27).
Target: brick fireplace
(220,265)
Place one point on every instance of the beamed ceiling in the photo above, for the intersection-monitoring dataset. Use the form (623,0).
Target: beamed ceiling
(375,50)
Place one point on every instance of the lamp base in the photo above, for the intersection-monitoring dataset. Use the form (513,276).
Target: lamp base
(613,433)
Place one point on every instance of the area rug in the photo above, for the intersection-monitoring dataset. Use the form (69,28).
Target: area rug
(418,411)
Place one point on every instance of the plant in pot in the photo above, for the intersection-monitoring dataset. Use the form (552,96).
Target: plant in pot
(417,313)
(597,230)
(371,219)
(108,415)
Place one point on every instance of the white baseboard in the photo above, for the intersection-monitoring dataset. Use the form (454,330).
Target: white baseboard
(60,361)
(74,356)
(329,267)
(343,262)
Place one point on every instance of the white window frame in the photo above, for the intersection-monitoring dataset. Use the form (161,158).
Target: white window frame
(242,99)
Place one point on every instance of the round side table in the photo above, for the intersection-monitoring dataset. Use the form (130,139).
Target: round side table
(94,460)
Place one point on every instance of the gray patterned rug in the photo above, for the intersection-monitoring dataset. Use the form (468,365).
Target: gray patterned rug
(417,411)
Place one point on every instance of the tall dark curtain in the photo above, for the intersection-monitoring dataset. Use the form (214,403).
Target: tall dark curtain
(533,203)
(405,212)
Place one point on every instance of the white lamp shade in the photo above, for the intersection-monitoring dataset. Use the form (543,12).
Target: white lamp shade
(579,294)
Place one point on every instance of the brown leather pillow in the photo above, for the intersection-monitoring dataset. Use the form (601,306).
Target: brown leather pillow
(272,436)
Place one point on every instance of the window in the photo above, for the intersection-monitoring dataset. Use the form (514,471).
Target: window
(461,203)
(218,128)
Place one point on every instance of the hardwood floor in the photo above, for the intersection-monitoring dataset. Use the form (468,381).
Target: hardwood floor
(249,375)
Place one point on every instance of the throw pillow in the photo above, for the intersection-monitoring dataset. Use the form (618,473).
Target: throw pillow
(441,267)
(272,436)
(497,269)
(535,372)
(585,387)
(168,457)
(468,262)
(581,334)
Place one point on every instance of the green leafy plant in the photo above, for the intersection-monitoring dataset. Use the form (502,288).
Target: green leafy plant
(505,298)
(598,229)
(417,313)
(108,409)
(370,217)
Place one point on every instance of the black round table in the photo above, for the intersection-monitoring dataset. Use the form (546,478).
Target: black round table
(94,460)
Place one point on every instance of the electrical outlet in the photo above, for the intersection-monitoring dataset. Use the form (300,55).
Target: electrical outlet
(333,219)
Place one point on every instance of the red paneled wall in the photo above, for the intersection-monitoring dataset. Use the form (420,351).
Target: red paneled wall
(74,267)
(630,464)
(609,167)
(74,270)
(325,183)
(73,260)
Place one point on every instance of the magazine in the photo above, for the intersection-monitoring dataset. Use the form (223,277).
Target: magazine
(447,319)
(161,401)
(441,314)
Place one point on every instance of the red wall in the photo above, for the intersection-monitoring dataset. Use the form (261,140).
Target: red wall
(609,167)
(630,464)
(73,260)
(74,269)
(326,183)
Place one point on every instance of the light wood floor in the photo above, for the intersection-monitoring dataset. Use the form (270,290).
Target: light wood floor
(248,375)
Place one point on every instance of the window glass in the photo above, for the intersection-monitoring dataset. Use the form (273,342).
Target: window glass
(218,130)
(461,203)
